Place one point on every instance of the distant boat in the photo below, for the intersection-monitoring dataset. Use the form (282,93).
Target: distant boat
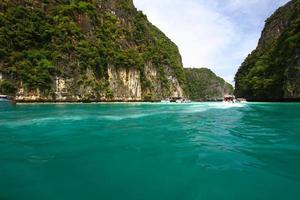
(4,98)
(187,101)
(229,99)
(165,101)
(241,100)
(183,100)
(232,99)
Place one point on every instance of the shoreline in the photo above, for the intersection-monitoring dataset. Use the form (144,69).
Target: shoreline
(157,101)
(13,101)
(141,102)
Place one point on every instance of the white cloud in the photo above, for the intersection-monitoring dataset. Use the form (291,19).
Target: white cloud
(215,34)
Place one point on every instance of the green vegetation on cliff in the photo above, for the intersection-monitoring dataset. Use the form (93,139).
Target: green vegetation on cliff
(203,84)
(272,71)
(44,39)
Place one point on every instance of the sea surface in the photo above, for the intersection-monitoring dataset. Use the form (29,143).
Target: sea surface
(198,151)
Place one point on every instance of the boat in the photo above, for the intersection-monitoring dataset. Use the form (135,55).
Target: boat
(229,99)
(242,100)
(187,101)
(4,98)
(165,101)
(232,99)
(182,100)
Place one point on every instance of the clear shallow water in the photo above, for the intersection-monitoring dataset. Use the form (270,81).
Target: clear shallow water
(150,151)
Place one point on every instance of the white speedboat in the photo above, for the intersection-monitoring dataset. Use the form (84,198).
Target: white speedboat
(187,101)
(3,98)
(165,101)
(183,101)
(241,100)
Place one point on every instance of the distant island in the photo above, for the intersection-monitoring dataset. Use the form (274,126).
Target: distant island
(204,85)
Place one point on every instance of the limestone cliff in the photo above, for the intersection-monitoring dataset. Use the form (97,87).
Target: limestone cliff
(272,71)
(95,50)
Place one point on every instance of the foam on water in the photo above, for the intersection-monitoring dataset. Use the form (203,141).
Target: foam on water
(195,108)
(182,108)
(41,120)
(124,117)
(223,105)
(203,107)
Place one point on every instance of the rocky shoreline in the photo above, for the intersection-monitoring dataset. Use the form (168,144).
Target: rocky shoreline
(80,102)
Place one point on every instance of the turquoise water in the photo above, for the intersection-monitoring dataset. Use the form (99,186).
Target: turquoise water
(150,151)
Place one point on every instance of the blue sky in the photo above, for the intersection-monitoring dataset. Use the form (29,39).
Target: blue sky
(217,34)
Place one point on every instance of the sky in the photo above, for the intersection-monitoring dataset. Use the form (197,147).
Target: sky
(217,34)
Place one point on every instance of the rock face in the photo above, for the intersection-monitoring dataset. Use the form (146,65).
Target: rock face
(205,85)
(125,83)
(102,50)
(272,71)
